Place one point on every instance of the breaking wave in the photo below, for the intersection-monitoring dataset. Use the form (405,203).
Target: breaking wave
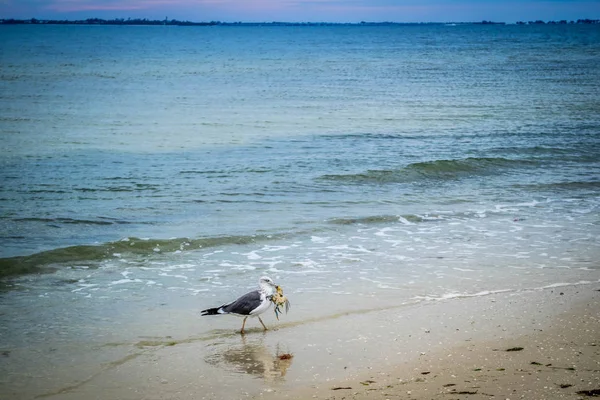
(46,260)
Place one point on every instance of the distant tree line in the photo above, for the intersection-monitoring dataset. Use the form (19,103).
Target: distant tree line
(99,21)
(174,22)
(561,22)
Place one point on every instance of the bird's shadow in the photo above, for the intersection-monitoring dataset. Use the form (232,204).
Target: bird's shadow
(252,357)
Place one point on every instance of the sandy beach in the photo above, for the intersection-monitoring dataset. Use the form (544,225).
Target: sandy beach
(542,356)
(532,344)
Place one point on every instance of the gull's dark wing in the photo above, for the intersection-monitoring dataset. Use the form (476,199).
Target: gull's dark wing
(244,305)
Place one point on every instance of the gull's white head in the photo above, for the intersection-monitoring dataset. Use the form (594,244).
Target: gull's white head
(267,284)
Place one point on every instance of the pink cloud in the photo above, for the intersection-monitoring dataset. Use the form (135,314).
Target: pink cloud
(110,5)
(251,6)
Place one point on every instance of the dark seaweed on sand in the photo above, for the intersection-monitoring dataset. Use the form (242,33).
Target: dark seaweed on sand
(590,393)
(515,349)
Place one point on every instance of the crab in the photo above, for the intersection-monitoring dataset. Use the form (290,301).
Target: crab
(279,300)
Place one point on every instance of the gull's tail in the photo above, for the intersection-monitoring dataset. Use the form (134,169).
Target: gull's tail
(212,311)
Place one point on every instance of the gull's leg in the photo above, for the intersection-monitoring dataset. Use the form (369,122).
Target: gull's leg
(243,324)
(263,324)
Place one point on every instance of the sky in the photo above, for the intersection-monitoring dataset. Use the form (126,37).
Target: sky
(306,10)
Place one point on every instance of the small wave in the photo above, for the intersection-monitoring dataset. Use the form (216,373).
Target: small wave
(573,153)
(455,295)
(534,150)
(376,219)
(435,170)
(465,165)
(371,176)
(227,173)
(205,172)
(37,191)
(568,186)
(136,187)
(48,261)
(72,221)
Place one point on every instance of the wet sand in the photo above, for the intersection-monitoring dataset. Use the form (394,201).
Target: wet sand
(445,349)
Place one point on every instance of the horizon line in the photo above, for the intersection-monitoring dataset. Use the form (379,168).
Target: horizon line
(166,21)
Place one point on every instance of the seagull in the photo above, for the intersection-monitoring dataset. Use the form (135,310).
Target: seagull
(249,305)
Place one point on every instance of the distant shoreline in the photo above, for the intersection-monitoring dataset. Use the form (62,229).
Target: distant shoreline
(174,22)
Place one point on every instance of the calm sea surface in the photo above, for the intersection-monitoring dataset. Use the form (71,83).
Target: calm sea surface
(156,171)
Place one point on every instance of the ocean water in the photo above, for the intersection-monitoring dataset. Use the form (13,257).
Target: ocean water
(150,172)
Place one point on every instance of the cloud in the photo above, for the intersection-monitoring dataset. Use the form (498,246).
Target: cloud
(103,5)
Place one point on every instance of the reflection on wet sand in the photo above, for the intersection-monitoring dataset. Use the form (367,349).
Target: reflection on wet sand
(252,358)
